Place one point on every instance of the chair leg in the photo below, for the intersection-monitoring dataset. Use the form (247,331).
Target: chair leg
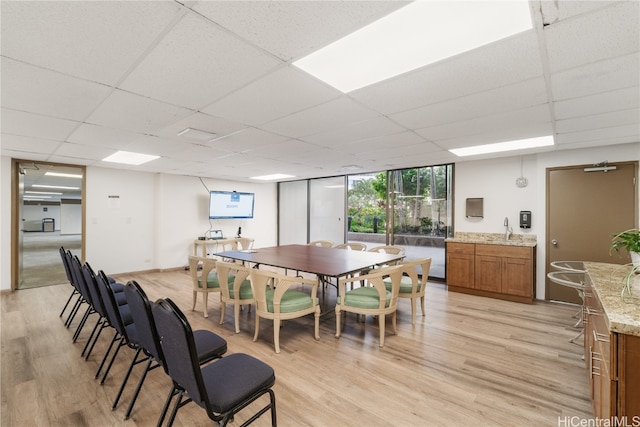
(115,338)
(134,362)
(113,359)
(82,323)
(73,313)
(167,402)
(316,327)
(148,368)
(394,322)
(413,311)
(174,411)
(257,327)
(276,334)
(236,317)
(422,305)
(338,316)
(195,295)
(206,300)
(92,339)
(73,292)
(223,309)
(381,322)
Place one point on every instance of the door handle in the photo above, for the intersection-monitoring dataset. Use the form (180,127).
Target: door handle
(554,242)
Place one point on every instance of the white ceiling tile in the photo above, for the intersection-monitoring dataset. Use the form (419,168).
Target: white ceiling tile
(278,94)
(290,29)
(614,100)
(332,114)
(502,63)
(503,99)
(36,125)
(592,38)
(398,142)
(596,121)
(196,63)
(123,110)
(608,136)
(247,140)
(49,93)
(80,151)
(200,121)
(285,151)
(149,144)
(597,77)
(553,10)
(27,144)
(89,134)
(378,126)
(510,121)
(95,40)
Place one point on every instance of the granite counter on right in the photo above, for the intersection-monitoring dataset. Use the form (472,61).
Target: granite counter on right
(612,344)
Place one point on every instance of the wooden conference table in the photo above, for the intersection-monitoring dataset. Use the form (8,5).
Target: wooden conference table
(323,262)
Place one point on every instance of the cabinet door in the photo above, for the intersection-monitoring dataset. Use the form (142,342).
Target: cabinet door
(488,273)
(516,276)
(460,270)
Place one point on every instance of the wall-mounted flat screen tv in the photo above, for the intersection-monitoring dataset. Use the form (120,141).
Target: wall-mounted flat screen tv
(230,204)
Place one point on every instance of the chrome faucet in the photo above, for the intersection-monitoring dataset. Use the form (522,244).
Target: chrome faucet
(508,230)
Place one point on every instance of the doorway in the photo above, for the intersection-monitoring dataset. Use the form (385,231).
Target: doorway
(48,212)
(586,206)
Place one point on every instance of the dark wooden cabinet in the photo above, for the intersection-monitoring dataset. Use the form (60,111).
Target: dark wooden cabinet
(612,361)
(461,264)
(498,271)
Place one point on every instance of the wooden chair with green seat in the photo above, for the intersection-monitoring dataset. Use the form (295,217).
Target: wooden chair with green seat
(238,291)
(373,299)
(204,279)
(280,297)
(413,284)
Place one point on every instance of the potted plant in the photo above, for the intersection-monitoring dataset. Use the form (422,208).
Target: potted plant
(630,241)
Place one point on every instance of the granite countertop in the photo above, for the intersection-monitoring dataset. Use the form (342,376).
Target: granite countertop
(623,315)
(494,239)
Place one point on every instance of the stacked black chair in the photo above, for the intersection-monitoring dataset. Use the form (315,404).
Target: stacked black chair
(222,388)
(74,291)
(209,345)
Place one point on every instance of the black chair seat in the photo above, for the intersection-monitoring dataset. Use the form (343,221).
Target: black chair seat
(209,345)
(234,379)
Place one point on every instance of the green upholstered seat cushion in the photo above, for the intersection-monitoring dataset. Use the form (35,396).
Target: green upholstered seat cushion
(291,301)
(245,290)
(406,284)
(212,280)
(365,297)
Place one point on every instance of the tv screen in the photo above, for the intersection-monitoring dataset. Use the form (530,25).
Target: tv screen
(230,204)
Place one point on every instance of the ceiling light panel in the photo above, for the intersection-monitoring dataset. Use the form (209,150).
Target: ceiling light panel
(543,141)
(421,33)
(129,158)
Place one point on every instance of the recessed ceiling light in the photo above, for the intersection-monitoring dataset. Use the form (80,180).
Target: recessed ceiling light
(418,34)
(65,175)
(198,135)
(61,187)
(521,144)
(129,158)
(272,177)
(44,192)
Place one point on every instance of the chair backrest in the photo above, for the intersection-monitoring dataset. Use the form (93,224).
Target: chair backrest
(389,249)
(76,272)
(143,319)
(418,271)
(353,246)
(65,263)
(321,243)
(89,279)
(178,347)
(264,280)
(111,305)
(225,270)
(200,267)
(244,243)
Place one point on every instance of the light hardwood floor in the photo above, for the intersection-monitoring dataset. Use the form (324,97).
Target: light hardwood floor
(471,361)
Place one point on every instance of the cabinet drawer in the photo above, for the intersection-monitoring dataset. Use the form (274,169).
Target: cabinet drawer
(504,251)
(461,248)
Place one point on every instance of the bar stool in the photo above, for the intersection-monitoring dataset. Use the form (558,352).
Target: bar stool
(571,274)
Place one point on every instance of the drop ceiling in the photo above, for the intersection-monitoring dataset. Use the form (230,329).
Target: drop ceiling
(83,79)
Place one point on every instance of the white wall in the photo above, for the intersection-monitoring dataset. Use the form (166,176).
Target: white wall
(70,218)
(494,180)
(140,221)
